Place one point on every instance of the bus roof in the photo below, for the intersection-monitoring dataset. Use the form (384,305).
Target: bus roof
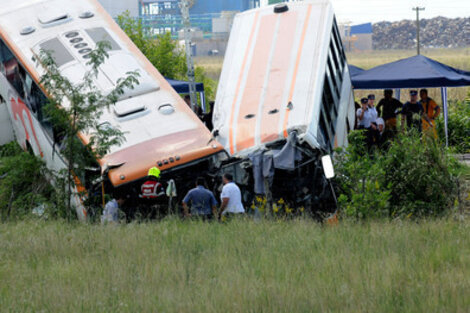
(272,76)
(146,114)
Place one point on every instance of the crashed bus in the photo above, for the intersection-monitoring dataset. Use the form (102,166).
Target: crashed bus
(159,128)
(284,101)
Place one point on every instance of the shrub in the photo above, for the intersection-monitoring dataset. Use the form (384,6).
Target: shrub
(458,126)
(23,185)
(361,179)
(414,177)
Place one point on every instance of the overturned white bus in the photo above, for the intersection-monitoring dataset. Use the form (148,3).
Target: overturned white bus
(284,100)
(160,129)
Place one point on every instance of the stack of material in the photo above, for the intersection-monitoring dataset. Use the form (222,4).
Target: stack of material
(439,32)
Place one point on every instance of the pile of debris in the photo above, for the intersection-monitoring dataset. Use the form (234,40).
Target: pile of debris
(439,32)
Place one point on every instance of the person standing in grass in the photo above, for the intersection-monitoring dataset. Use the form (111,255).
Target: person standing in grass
(363,115)
(373,111)
(412,112)
(431,112)
(367,118)
(387,109)
(111,210)
(231,198)
(202,201)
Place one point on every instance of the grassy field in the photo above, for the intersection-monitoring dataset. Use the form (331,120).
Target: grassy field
(459,58)
(295,266)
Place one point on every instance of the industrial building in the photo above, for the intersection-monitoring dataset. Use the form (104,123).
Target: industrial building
(211,20)
(357,37)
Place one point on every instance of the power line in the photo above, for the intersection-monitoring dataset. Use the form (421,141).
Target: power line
(417,9)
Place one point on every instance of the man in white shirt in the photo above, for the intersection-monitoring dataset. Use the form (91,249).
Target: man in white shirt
(364,118)
(231,197)
(373,111)
(111,210)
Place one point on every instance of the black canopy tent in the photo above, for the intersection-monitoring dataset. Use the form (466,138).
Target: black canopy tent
(414,72)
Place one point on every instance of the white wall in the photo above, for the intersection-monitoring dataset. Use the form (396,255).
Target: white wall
(117,7)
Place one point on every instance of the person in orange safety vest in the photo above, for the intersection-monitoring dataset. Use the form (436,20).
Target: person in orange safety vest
(431,112)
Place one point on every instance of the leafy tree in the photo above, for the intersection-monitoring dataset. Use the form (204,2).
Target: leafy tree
(75,111)
(164,53)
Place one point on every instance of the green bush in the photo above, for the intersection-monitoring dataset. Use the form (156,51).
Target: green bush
(414,177)
(23,185)
(458,126)
(361,178)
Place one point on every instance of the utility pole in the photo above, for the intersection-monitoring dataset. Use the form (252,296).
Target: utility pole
(184,6)
(417,9)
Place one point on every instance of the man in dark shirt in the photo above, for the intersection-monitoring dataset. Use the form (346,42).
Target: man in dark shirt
(412,112)
(203,203)
(388,108)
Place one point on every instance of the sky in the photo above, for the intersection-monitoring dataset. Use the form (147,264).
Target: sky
(363,11)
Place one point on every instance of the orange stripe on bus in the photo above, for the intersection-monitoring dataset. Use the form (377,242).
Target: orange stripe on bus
(297,64)
(251,100)
(240,77)
(278,76)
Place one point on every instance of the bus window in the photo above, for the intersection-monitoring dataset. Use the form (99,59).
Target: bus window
(5,56)
(28,83)
(13,71)
(37,102)
(324,131)
(16,76)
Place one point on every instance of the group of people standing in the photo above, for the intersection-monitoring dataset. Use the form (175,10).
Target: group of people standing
(380,122)
(199,202)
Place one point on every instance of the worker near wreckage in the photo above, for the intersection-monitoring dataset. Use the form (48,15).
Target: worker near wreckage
(152,188)
(431,112)
(388,108)
(412,113)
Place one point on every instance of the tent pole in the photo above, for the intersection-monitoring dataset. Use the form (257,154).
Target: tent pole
(398,94)
(446,113)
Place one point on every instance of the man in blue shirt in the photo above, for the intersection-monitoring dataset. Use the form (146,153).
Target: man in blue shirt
(203,203)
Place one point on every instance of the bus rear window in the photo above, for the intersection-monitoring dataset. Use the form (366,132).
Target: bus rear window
(58,51)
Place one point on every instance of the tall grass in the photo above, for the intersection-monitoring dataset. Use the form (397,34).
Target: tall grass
(243,266)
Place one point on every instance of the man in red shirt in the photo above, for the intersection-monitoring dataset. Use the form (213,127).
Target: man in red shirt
(152,189)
